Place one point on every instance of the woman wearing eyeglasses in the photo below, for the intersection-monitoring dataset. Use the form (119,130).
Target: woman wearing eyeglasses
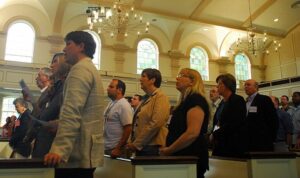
(189,121)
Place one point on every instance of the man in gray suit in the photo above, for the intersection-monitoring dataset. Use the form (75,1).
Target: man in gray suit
(78,145)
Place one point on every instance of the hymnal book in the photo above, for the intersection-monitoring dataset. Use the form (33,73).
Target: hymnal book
(25,90)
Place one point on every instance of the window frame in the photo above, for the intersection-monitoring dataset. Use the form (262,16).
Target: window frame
(98,50)
(154,45)
(9,112)
(13,56)
(237,76)
(204,77)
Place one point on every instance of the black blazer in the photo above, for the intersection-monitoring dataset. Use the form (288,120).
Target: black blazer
(18,134)
(40,104)
(44,137)
(229,139)
(262,124)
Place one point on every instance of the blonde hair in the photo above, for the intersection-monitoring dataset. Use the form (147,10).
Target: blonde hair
(197,84)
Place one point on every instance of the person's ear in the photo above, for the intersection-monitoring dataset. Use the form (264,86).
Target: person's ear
(153,80)
(120,90)
(81,46)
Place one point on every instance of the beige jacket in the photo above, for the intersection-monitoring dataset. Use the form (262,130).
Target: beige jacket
(79,139)
(150,127)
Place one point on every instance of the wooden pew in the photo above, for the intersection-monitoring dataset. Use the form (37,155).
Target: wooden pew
(254,165)
(297,152)
(5,149)
(148,167)
(24,168)
(272,164)
(21,168)
(223,167)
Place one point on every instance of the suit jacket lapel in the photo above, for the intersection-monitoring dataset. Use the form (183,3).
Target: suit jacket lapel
(254,101)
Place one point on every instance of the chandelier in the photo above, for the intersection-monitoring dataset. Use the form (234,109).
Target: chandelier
(118,20)
(255,43)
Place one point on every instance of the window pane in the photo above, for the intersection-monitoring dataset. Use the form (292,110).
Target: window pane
(8,109)
(199,61)
(20,42)
(97,55)
(147,55)
(242,68)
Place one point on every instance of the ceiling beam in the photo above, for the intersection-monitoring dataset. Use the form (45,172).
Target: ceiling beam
(199,9)
(258,12)
(58,16)
(193,17)
(173,16)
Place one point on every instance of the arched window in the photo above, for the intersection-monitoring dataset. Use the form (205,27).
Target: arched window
(147,55)
(242,67)
(20,42)
(8,109)
(97,55)
(199,61)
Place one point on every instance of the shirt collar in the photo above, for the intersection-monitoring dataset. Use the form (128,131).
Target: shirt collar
(217,102)
(44,89)
(250,98)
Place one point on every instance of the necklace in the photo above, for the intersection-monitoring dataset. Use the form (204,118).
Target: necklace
(107,111)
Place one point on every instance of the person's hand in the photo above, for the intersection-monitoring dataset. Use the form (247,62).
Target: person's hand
(116,152)
(164,151)
(52,159)
(52,126)
(131,147)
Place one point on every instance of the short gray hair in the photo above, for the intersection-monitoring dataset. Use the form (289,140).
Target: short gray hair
(20,101)
(46,71)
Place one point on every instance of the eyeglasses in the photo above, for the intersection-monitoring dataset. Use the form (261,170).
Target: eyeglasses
(182,75)
(186,76)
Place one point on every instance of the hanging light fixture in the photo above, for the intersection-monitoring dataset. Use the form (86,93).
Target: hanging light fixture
(119,20)
(254,43)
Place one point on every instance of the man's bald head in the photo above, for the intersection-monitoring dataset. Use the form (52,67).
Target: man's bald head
(251,86)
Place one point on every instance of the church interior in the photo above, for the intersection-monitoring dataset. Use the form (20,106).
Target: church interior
(250,39)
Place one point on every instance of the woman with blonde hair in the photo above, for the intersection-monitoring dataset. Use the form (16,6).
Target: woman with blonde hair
(189,121)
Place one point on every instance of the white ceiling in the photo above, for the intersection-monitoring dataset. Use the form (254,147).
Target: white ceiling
(229,13)
(176,19)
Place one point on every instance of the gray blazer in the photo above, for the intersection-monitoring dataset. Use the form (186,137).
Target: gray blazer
(79,138)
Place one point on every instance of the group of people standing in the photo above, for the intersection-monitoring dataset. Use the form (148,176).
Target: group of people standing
(236,126)
(35,130)
(261,125)
(61,126)
(75,123)
(146,126)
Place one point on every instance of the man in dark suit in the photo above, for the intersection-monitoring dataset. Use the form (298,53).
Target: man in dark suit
(262,120)
(229,133)
(43,81)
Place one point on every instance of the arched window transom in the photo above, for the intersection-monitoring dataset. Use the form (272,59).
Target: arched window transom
(147,55)
(20,42)
(199,61)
